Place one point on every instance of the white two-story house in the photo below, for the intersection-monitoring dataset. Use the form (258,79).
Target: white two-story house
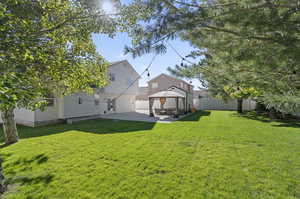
(117,97)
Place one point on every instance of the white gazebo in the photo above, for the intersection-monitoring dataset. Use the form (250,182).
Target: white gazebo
(162,96)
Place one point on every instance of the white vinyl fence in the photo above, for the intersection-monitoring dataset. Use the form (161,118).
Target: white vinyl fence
(208,103)
(202,104)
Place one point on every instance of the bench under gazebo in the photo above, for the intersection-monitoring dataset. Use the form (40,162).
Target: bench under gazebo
(163,97)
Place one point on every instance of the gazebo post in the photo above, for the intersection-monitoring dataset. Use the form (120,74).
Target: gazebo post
(176,114)
(184,105)
(150,107)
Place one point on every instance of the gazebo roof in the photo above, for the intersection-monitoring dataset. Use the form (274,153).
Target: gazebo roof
(168,94)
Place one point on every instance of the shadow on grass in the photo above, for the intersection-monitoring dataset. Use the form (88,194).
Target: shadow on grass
(41,179)
(194,117)
(289,124)
(97,126)
(253,116)
(263,118)
(23,162)
(17,171)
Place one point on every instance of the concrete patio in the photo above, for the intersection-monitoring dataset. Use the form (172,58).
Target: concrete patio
(142,116)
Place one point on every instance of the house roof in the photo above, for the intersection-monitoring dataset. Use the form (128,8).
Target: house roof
(117,62)
(177,88)
(169,76)
(126,63)
(167,93)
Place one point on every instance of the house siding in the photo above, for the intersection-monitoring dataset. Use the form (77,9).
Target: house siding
(164,82)
(124,76)
(69,107)
(23,117)
(72,108)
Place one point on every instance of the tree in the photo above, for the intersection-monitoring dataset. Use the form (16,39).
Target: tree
(46,47)
(256,42)
(2,180)
(240,93)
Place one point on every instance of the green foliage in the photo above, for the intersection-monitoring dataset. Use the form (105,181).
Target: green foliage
(46,47)
(215,154)
(239,92)
(253,42)
(285,104)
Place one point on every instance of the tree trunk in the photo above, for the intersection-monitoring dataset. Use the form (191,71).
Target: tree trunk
(260,108)
(240,105)
(272,113)
(9,126)
(283,115)
(2,181)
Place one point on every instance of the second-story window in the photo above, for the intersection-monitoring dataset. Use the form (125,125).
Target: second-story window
(112,77)
(154,85)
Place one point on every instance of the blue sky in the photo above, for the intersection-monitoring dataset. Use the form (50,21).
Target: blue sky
(112,50)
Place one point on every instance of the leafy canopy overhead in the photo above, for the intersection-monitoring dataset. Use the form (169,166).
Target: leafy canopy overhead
(256,42)
(46,47)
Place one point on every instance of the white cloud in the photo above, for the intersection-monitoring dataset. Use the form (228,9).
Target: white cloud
(108,6)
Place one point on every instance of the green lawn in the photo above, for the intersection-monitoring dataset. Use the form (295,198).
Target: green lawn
(207,155)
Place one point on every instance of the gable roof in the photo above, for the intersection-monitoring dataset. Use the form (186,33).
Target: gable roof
(125,62)
(177,88)
(169,76)
(117,62)
(167,93)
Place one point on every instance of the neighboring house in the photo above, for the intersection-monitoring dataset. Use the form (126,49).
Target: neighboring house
(164,82)
(143,93)
(121,75)
(203,101)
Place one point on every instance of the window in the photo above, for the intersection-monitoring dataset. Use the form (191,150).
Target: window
(112,77)
(50,100)
(114,104)
(154,85)
(79,100)
(111,104)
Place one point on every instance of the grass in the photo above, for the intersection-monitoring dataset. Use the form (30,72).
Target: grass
(209,155)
